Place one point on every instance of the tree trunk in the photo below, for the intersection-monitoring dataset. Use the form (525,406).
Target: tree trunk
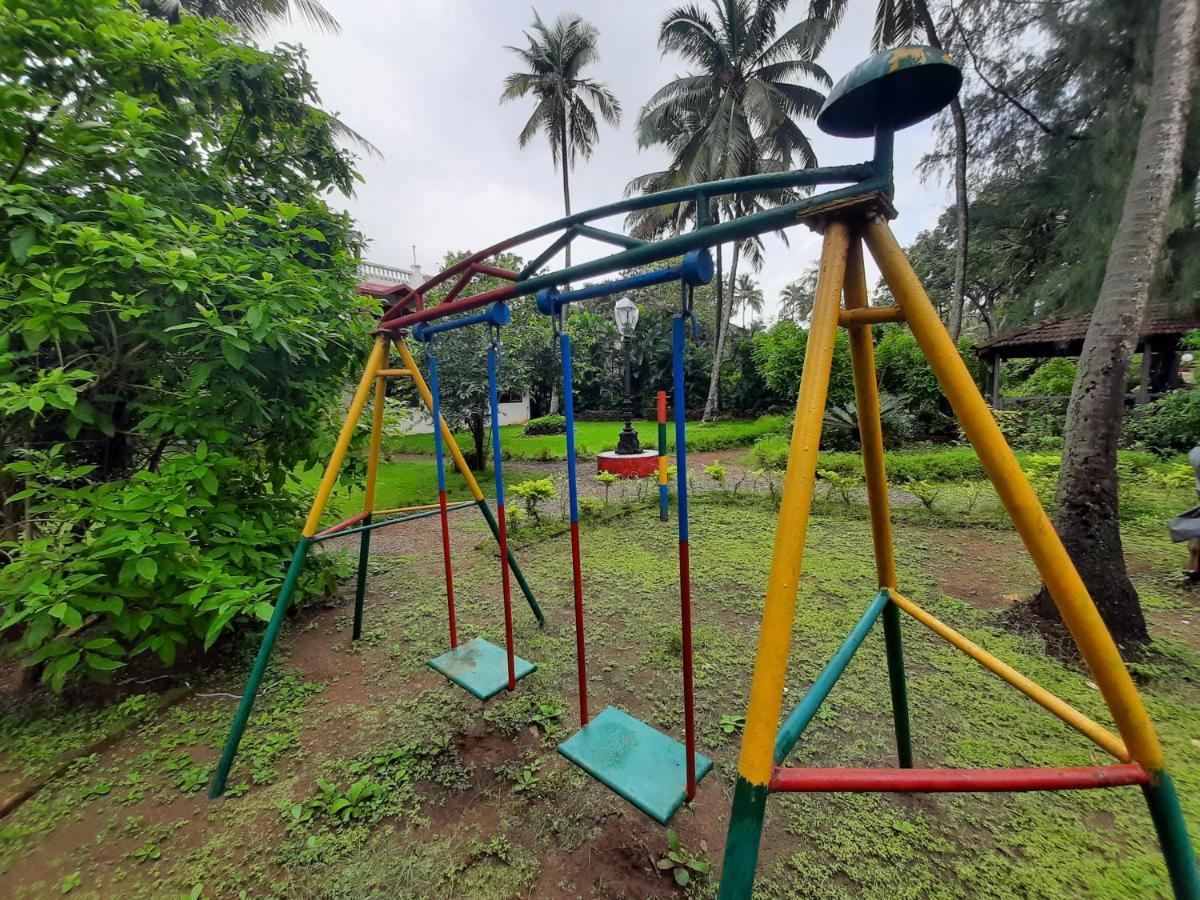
(1087,517)
(961,235)
(479,463)
(712,405)
(958,290)
(566,187)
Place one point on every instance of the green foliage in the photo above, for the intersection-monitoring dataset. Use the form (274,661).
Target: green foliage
(841,423)
(532,493)
(180,313)
(1055,378)
(606,480)
(843,485)
(730,723)
(905,373)
(716,472)
(779,354)
(552,424)
(1170,424)
(927,492)
(681,862)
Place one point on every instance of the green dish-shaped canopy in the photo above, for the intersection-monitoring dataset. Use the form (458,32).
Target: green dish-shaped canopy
(895,89)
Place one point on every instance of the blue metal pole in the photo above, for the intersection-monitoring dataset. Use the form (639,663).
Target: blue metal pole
(573,495)
(494,402)
(794,725)
(435,392)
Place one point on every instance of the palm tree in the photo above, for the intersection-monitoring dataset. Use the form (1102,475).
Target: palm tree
(748,296)
(567,102)
(900,22)
(736,113)
(797,297)
(254,16)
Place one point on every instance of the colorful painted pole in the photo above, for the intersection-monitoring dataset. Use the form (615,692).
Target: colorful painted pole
(1058,573)
(770,663)
(678,332)
(469,477)
(573,496)
(870,427)
(436,412)
(664,496)
(242,716)
(364,539)
(498,469)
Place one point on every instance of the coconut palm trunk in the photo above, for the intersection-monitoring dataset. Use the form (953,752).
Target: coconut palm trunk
(1087,517)
(712,405)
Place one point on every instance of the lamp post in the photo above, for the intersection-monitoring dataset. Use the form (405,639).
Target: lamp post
(626,314)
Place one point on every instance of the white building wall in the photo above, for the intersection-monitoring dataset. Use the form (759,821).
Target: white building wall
(513,413)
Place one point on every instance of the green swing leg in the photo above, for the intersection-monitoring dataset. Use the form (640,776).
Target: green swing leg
(360,592)
(217,788)
(1167,815)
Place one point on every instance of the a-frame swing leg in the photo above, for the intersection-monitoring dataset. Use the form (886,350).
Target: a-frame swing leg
(774,640)
(374,363)
(870,429)
(469,477)
(1054,566)
(364,536)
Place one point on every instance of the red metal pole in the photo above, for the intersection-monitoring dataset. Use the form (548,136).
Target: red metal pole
(689,707)
(449,568)
(448,309)
(459,285)
(580,649)
(508,625)
(494,271)
(353,520)
(968,780)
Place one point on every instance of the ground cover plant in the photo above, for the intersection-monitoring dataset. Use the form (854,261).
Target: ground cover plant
(365,774)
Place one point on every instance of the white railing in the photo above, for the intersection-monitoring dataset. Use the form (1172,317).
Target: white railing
(384,274)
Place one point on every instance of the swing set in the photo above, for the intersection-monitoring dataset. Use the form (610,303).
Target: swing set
(654,772)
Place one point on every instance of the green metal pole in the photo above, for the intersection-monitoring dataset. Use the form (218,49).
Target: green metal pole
(512,563)
(360,593)
(894,645)
(743,839)
(1173,835)
(217,788)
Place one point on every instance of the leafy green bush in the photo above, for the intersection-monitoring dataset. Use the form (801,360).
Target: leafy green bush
(532,492)
(779,355)
(770,452)
(1170,424)
(552,424)
(180,318)
(1054,378)
(905,373)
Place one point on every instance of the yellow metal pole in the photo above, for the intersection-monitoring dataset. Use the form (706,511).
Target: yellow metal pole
(378,352)
(774,639)
(1053,564)
(376,440)
(1031,689)
(870,430)
(870,426)
(447,435)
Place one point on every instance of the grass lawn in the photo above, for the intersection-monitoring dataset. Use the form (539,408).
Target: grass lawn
(365,774)
(409,482)
(594,437)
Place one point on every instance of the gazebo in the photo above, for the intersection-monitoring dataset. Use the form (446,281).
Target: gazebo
(1063,336)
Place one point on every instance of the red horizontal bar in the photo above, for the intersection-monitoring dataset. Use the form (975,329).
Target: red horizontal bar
(494,271)
(353,520)
(968,780)
(447,309)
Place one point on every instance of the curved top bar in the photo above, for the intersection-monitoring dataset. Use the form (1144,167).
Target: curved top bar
(498,314)
(707,189)
(724,232)
(695,269)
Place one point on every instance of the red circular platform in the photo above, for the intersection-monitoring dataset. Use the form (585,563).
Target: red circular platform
(635,465)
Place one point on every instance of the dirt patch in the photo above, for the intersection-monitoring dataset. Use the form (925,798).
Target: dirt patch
(988,569)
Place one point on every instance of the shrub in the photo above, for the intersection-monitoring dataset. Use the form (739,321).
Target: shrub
(180,316)
(770,452)
(590,508)
(716,472)
(1055,378)
(1170,424)
(532,493)
(552,424)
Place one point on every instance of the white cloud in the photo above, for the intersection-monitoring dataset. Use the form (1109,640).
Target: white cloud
(422,78)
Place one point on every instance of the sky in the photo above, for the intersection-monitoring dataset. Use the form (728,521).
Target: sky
(421,79)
